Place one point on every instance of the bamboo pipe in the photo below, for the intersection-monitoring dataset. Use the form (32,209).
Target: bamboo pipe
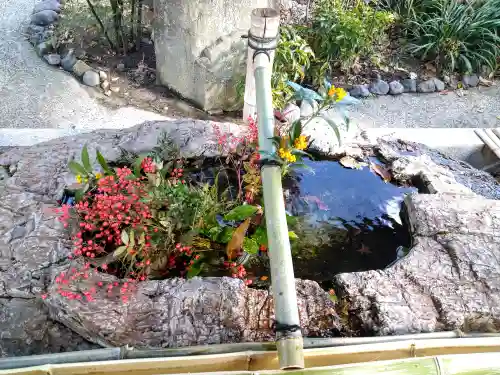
(258,28)
(488,141)
(262,39)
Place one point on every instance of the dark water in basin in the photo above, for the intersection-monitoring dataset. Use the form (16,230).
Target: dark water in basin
(348,220)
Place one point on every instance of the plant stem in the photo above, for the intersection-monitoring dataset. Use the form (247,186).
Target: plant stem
(99,21)
(139,25)
(132,19)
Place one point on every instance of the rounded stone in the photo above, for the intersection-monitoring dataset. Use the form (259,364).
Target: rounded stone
(68,62)
(91,78)
(360,91)
(53,59)
(80,68)
(44,18)
(53,5)
(43,48)
(427,86)
(379,87)
(410,85)
(396,88)
(470,80)
(439,84)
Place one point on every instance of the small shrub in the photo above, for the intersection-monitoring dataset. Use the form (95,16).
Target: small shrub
(291,61)
(456,35)
(342,33)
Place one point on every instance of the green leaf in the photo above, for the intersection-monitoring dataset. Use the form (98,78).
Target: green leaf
(119,251)
(213,233)
(132,238)
(102,163)
(77,168)
(334,126)
(225,235)
(260,236)
(86,159)
(291,220)
(296,130)
(124,237)
(241,212)
(292,235)
(79,195)
(250,245)
(194,270)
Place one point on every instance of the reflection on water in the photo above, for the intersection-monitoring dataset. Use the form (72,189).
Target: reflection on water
(348,220)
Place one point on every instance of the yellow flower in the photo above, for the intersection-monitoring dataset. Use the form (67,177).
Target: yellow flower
(79,179)
(331,90)
(340,94)
(287,155)
(98,175)
(300,143)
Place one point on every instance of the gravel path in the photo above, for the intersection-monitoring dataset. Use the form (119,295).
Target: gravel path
(478,108)
(34,95)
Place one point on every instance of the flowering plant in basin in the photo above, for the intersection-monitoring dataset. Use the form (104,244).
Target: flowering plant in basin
(291,144)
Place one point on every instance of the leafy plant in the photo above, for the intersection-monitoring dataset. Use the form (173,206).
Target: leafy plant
(457,35)
(341,32)
(290,145)
(291,61)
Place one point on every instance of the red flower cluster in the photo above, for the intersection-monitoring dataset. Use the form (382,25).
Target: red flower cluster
(148,165)
(253,131)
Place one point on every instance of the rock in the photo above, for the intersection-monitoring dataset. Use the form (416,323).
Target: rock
(91,78)
(44,48)
(455,258)
(422,161)
(105,85)
(44,17)
(35,34)
(308,107)
(323,136)
(53,5)
(470,80)
(209,51)
(427,86)
(241,313)
(396,88)
(379,87)
(439,84)
(80,68)
(410,85)
(120,67)
(107,92)
(68,61)
(115,89)
(53,59)
(360,91)
(291,112)
(103,76)
(413,75)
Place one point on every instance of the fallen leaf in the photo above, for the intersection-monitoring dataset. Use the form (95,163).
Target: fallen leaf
(444,92)
(264,278)
(381,171)
(485,82)
(364,249)
(350,162)
(235,244)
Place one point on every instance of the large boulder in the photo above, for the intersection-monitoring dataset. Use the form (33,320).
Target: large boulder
(34,247)
(450,279)
(203,59)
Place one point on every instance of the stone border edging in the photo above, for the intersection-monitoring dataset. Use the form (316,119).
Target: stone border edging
(40,33)
(379,87)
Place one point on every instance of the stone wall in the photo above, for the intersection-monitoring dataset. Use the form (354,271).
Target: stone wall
(199,49)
